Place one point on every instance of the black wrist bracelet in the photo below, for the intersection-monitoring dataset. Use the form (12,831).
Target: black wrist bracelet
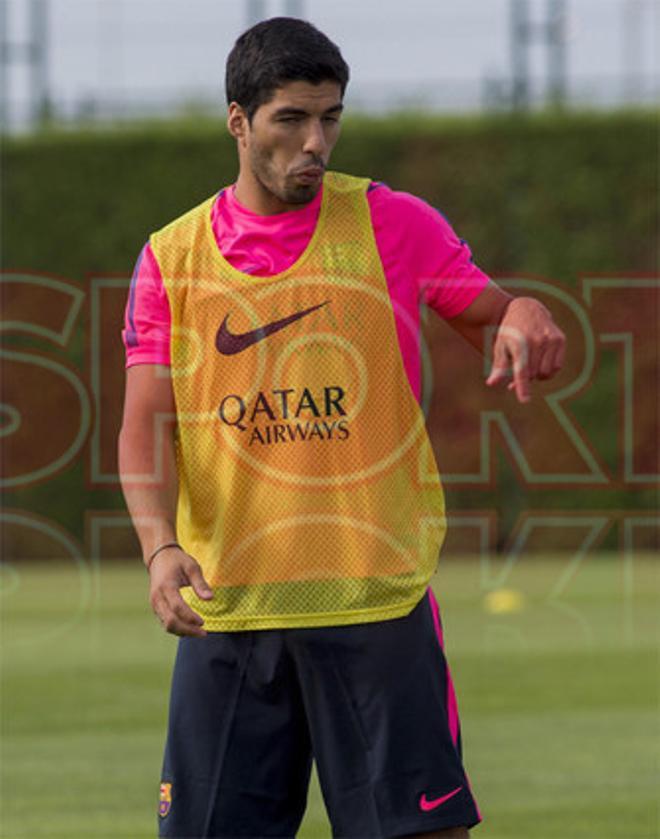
(158,550)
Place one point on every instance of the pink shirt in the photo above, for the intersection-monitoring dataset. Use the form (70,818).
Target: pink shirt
(423,260)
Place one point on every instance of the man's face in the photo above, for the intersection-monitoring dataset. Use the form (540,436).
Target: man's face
(288,145)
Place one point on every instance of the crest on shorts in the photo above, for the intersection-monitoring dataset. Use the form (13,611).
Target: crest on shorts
(165,799)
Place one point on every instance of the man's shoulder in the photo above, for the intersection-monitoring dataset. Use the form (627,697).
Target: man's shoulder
(401,199)
(405,209)
(379,193)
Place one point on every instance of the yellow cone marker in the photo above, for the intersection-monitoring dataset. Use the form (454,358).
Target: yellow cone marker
(503,601)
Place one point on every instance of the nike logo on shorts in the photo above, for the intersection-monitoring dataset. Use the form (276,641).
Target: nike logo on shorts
(426,805)
(230,343)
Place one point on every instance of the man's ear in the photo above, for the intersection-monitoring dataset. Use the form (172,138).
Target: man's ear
(237,121)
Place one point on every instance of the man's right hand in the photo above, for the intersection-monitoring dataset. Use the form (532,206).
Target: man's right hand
(170,570)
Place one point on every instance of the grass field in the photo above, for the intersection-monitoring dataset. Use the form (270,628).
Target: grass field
(559,700)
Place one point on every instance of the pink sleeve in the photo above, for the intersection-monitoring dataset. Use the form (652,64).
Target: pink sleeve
(413,234)
(147,319)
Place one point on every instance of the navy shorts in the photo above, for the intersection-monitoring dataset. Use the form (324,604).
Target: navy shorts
(372,704)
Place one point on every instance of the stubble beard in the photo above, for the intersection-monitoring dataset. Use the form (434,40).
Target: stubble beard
(277,185)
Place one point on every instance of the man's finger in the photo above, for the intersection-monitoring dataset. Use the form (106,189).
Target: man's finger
(178,618)
(200,586)
(178,607)
(521,378)
(158,605)
(534,354)
(175,626)
(548,363)
(501,368)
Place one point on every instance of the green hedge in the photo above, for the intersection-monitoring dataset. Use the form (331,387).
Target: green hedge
(553,196)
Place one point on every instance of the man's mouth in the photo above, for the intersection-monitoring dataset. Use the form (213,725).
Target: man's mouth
(309,175)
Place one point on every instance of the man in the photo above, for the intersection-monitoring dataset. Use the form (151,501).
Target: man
(294,513)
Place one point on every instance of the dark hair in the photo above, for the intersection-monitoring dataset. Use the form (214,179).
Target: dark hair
(276,51)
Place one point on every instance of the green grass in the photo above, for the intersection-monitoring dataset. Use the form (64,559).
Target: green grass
(559,701)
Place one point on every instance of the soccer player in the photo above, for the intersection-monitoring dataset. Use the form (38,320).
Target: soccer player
(276,465)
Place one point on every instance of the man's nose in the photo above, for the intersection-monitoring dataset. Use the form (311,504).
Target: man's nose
(315,139)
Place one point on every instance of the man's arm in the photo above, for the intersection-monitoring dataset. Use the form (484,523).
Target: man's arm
(147,468)
(527,341)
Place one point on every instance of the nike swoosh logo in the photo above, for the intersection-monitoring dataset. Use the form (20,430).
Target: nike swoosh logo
(426,805)
(230,343)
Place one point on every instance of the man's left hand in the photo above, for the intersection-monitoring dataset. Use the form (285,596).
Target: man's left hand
(528,344)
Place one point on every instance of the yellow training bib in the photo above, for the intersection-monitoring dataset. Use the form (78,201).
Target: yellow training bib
(308,488)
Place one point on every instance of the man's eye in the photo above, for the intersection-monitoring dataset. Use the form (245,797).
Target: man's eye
(330,119)
(289,119)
